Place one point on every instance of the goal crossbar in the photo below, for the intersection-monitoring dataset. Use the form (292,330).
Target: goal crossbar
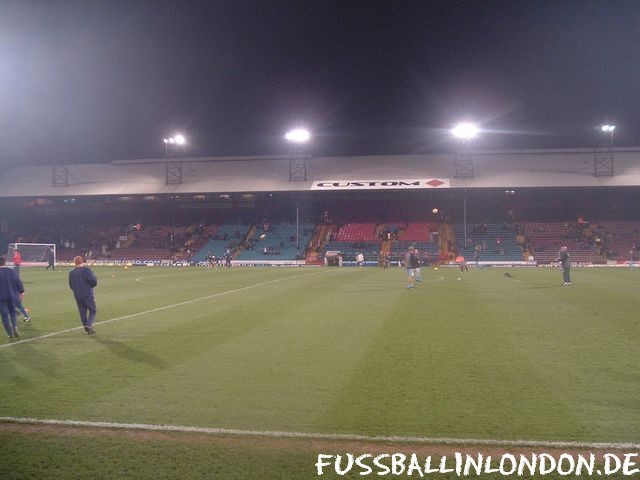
(33,254)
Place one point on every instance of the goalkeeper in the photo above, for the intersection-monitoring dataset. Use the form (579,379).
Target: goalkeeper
(51,259)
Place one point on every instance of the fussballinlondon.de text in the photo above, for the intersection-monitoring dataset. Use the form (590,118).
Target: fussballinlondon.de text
(465,465)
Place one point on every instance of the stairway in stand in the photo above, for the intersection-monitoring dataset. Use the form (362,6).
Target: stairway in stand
(447,237)
(318,241)
(240,248)
(385,250)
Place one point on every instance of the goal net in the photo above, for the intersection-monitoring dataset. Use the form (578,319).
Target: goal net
(33,254)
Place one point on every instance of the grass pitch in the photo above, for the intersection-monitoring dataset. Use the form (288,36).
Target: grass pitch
(335,351)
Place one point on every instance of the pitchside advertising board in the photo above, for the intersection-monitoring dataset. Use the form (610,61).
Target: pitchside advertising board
(390,183)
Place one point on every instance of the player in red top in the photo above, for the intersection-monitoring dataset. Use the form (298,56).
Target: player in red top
(463,265)
(17,261)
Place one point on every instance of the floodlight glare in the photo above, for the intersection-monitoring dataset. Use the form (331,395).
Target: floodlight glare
(608,128)
(177,139)
(465,131)
(298,135)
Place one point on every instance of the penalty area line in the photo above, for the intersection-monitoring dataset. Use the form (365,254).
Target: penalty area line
(158,309)
(323,436)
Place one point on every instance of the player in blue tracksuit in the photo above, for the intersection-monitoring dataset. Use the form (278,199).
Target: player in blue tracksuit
(11,291)
(82,281)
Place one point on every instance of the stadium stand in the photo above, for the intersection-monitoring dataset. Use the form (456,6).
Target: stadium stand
(123,241)
(417,231)
(422,235)
(353,238)
(101,202)
(370,239)
(225,237)
(546,238)
(496,241)
(278,242)
(357,232)
(621,238)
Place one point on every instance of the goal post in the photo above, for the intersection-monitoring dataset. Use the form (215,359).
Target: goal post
(33,254)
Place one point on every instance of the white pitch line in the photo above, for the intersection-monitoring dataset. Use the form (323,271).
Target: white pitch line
(140,279)
(387,283)
(326,436)
(158,309)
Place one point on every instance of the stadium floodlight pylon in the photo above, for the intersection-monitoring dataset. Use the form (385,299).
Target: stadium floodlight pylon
(33,254)
(173,170)
(298,158)
(298,135)
(464,132)
(603,165)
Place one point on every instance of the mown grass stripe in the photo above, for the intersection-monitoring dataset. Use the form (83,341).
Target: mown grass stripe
(158,309)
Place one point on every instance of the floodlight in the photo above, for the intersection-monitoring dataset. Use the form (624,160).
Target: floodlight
(465,131)
(298,135)
(608,128)
(177,139)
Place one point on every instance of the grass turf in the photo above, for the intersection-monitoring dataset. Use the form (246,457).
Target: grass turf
(338,350)
(53,456)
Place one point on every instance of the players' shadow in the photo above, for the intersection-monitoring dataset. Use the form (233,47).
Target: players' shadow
(31,359)
(544,286)
(125,351)
(355,289)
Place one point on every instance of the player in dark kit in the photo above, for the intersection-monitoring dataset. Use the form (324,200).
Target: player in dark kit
(82,281)
(11,291)
(50,259)
(410,263)
(4,242)
(565,261)
(211,258)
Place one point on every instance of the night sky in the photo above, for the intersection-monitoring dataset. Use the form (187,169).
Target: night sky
(94,81)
